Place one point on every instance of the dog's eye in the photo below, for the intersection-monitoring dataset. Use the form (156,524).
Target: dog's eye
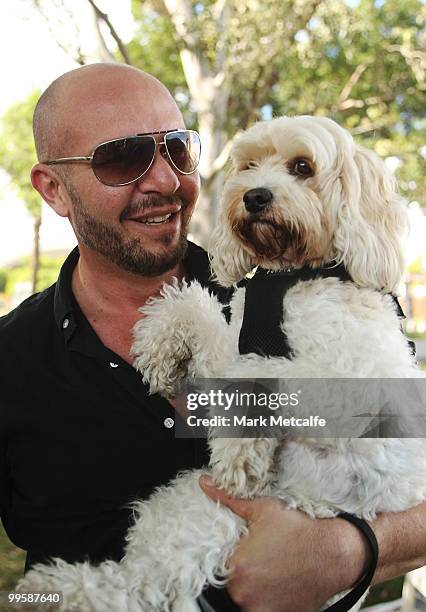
(250,165)
(301,167)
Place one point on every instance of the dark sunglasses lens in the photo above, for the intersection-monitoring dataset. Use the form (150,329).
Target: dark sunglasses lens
(184,149)
(124,160)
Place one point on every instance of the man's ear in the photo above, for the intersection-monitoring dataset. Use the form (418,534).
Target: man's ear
(51,188)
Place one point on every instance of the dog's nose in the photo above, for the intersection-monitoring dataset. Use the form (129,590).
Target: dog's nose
(256,200)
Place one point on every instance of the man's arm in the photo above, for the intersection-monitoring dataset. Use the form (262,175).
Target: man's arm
(291,562)
(402,542)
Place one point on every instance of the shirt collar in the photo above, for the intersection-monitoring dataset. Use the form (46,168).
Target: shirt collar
(67,312)
(64,301)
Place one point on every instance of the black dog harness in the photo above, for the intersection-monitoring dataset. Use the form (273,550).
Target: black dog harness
(261,331)
(263,309)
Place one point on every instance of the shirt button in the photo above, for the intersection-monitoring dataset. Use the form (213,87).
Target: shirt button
(168,423)
(113,365)
(65,323)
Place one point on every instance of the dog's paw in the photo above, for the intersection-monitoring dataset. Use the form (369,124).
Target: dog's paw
(161,341)
(239,483)
(162,367)
(243,468)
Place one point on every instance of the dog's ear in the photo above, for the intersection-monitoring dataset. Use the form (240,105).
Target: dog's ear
(230,262)
(371,222)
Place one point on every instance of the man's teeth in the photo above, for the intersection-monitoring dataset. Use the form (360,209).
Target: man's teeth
(157,219)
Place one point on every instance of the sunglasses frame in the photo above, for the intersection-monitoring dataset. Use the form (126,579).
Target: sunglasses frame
(89,158)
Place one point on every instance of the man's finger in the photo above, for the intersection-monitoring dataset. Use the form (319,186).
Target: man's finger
(243,507)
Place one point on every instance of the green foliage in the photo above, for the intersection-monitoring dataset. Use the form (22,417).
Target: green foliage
(11,564)
(17,151)
(416,336)
(48,273)
(155,49)
(386,591)
(418,266)
(237,46)
(3,280)
(362,67)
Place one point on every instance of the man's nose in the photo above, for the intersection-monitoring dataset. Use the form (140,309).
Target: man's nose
(161,177)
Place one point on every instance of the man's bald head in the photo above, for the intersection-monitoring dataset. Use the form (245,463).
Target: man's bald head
(75,96)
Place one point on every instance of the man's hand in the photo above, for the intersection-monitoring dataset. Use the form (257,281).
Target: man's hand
(289,561)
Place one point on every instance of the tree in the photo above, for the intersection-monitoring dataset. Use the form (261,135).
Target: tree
(17,156)
(364,66)
(230,63)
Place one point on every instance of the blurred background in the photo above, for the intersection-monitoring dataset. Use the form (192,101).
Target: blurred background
(229,63)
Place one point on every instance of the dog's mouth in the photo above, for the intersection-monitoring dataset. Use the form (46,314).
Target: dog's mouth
(267,240)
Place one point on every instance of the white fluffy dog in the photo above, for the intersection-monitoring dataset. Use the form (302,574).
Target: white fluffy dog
(302,195)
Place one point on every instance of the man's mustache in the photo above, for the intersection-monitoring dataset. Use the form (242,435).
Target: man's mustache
(149,202)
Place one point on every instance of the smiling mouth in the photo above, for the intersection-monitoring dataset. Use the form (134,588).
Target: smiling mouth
(154,220)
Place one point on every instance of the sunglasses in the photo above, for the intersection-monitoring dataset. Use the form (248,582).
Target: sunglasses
(125,160)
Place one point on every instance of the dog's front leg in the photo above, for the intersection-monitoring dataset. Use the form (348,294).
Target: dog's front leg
(182,333)
(243,466)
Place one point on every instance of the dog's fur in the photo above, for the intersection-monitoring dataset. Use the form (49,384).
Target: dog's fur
(347,212)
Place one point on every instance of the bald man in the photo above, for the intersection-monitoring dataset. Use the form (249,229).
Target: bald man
(80,438)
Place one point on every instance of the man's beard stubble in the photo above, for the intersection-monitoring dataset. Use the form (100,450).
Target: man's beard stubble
(126,253)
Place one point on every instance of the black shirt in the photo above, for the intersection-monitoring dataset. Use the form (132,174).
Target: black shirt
(80,438)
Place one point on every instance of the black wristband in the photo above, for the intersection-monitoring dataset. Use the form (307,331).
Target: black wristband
(350,599)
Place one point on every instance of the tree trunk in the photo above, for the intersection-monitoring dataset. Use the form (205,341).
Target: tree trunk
(36,252)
